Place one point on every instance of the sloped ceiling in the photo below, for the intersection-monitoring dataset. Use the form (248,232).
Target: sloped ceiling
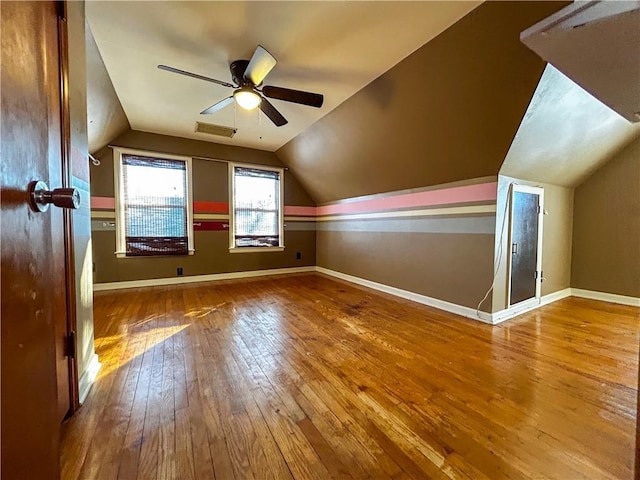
(333,48)
(105,117)
(597,45)
(566,134)
(447,112)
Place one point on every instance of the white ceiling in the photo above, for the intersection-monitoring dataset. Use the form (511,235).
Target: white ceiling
(566,134)
(333,48)
(105,117)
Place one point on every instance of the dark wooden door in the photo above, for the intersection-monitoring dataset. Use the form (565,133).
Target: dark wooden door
(524,246)
(34,369)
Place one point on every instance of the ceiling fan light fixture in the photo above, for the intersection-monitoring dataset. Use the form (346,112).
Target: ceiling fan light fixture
(247,98)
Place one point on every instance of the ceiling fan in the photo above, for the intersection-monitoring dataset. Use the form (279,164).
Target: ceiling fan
(248,76)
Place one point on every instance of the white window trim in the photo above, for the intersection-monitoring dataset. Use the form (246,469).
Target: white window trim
(118,189)
(232,247)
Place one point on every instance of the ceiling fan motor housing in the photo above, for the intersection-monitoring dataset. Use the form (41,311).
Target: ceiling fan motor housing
(238,68)
(248,76)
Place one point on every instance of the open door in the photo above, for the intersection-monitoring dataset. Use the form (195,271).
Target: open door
(36,368)
(525,240)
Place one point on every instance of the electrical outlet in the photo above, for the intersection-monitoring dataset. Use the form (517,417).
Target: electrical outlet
(298,255)
(179,271)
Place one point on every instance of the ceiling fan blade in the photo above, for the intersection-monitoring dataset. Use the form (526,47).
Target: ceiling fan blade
(295,96)
(274,115)
(194,75)
(259,66)
(217,106)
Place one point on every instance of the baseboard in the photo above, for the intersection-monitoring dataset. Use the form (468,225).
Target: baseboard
(156,282)
(472,313)
(606,297)
(552,297)
(88,377)
(415,297)
(527,306)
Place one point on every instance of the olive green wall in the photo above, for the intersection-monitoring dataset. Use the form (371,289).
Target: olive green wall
(210,183)
(102,184)
(606,227)
(453,267)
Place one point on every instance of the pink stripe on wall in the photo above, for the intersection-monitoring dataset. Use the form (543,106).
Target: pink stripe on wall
(302,211)
(103,203)
(469,193)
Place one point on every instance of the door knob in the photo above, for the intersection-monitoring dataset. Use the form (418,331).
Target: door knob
(40,197)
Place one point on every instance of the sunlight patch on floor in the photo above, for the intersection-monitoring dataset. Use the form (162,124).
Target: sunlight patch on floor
(110,356)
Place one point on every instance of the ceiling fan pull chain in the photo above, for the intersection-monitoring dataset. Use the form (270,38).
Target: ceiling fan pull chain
(259,125)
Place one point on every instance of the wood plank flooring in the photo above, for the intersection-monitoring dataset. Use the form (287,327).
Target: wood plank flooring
(304,377)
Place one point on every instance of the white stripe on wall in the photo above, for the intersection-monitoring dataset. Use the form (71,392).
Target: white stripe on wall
(428,212)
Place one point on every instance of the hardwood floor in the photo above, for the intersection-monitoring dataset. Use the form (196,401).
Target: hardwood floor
(306,377)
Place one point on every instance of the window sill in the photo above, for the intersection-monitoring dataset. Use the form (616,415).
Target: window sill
(124,255)
(255,249)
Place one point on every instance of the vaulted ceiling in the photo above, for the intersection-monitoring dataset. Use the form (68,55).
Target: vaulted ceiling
(333,48)
(566,134)
(392,119)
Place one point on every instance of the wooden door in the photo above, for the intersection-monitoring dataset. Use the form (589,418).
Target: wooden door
(34,369)
(525,244)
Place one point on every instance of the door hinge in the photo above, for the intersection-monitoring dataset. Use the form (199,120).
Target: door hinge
(537,274)
(61,10)
(70,345)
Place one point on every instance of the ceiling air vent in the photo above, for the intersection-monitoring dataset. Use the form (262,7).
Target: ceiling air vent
(211,129)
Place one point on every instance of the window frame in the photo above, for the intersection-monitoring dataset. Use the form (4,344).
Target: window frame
(232,247)
(118,189)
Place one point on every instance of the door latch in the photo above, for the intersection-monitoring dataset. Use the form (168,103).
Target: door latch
(40,197)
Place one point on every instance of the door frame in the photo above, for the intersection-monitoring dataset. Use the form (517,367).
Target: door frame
(535,191)
(65,155)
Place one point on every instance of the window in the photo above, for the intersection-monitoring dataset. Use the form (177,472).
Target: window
(153,205)
(256,209)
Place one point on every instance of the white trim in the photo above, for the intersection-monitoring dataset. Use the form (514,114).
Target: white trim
(416,297)
(154,282)
(88,377)
(231,174)
(533,191)
(472,313)
(606,297)
(255,249)
(528,305)
(119,195)
(148,153)
(555,296)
